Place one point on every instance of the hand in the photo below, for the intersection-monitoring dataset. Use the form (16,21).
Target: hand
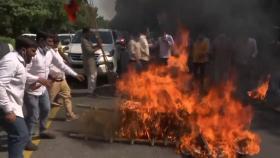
(66,62)
(97,46)
(80,77)
(44,82)
(58,79)
(35,86)
(10,117)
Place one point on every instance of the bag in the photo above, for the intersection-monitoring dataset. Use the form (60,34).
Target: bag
(4,49)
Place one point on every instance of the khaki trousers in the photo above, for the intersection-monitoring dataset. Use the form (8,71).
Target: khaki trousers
(65,91)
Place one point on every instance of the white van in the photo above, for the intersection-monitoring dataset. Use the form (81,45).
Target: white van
(74,52)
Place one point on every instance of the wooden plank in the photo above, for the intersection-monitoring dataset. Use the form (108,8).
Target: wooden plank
(152,142)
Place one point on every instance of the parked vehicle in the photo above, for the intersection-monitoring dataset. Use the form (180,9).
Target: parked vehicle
(29,35)
(65,38)
(75,57)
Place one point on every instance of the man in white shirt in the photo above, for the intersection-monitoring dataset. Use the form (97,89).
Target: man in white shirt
(134,51)
(60,84)
(12,84)
(165,43)
(144,50)
(131,48)
(36,98)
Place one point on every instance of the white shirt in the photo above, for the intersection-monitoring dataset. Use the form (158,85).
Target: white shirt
(134,48)
(40,67)
(55,71)
(12,83)
(165,45)
(144,48)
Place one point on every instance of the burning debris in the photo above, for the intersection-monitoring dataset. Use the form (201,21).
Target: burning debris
(163,104)
(260,92)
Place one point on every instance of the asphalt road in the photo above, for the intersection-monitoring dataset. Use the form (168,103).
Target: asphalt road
(266,123)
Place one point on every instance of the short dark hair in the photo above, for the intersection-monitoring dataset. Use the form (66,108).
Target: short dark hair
(56,38)
(86,30)
(41,35)
(23,42)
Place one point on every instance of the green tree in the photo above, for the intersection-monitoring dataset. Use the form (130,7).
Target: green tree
(21,16)
(102,23)
(18,16)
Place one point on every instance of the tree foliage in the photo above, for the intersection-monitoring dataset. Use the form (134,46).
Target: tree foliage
(18,16)
(21,16)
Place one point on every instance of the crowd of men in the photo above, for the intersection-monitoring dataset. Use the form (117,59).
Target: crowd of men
(214,59)
(33,76)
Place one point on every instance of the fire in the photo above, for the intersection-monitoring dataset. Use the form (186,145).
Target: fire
(162,103)
(222,122)
(261,91)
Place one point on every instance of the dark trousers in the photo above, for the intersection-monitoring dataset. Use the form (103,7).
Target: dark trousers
(245,81)
(145,65)
(199,72)
(163,61)
(17,136)
(123,63)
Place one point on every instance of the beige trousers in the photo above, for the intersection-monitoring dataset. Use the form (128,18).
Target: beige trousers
(65,91)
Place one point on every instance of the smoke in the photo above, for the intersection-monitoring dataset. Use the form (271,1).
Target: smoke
(106,8)
(199,15)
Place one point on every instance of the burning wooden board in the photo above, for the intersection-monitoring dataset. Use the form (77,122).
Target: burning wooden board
(109,124)
(167,126)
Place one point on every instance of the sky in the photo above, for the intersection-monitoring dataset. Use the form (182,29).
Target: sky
(106,8)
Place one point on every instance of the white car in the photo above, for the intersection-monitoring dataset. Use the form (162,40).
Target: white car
(75,57)
(29,35)
(65,38)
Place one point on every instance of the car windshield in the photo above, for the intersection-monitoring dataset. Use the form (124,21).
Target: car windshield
(106,37)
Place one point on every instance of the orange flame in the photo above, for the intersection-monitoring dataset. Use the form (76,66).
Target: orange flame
(261,91)
(163,103)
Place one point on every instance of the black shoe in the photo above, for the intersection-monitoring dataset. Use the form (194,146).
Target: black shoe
(47,135)
(31,147)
